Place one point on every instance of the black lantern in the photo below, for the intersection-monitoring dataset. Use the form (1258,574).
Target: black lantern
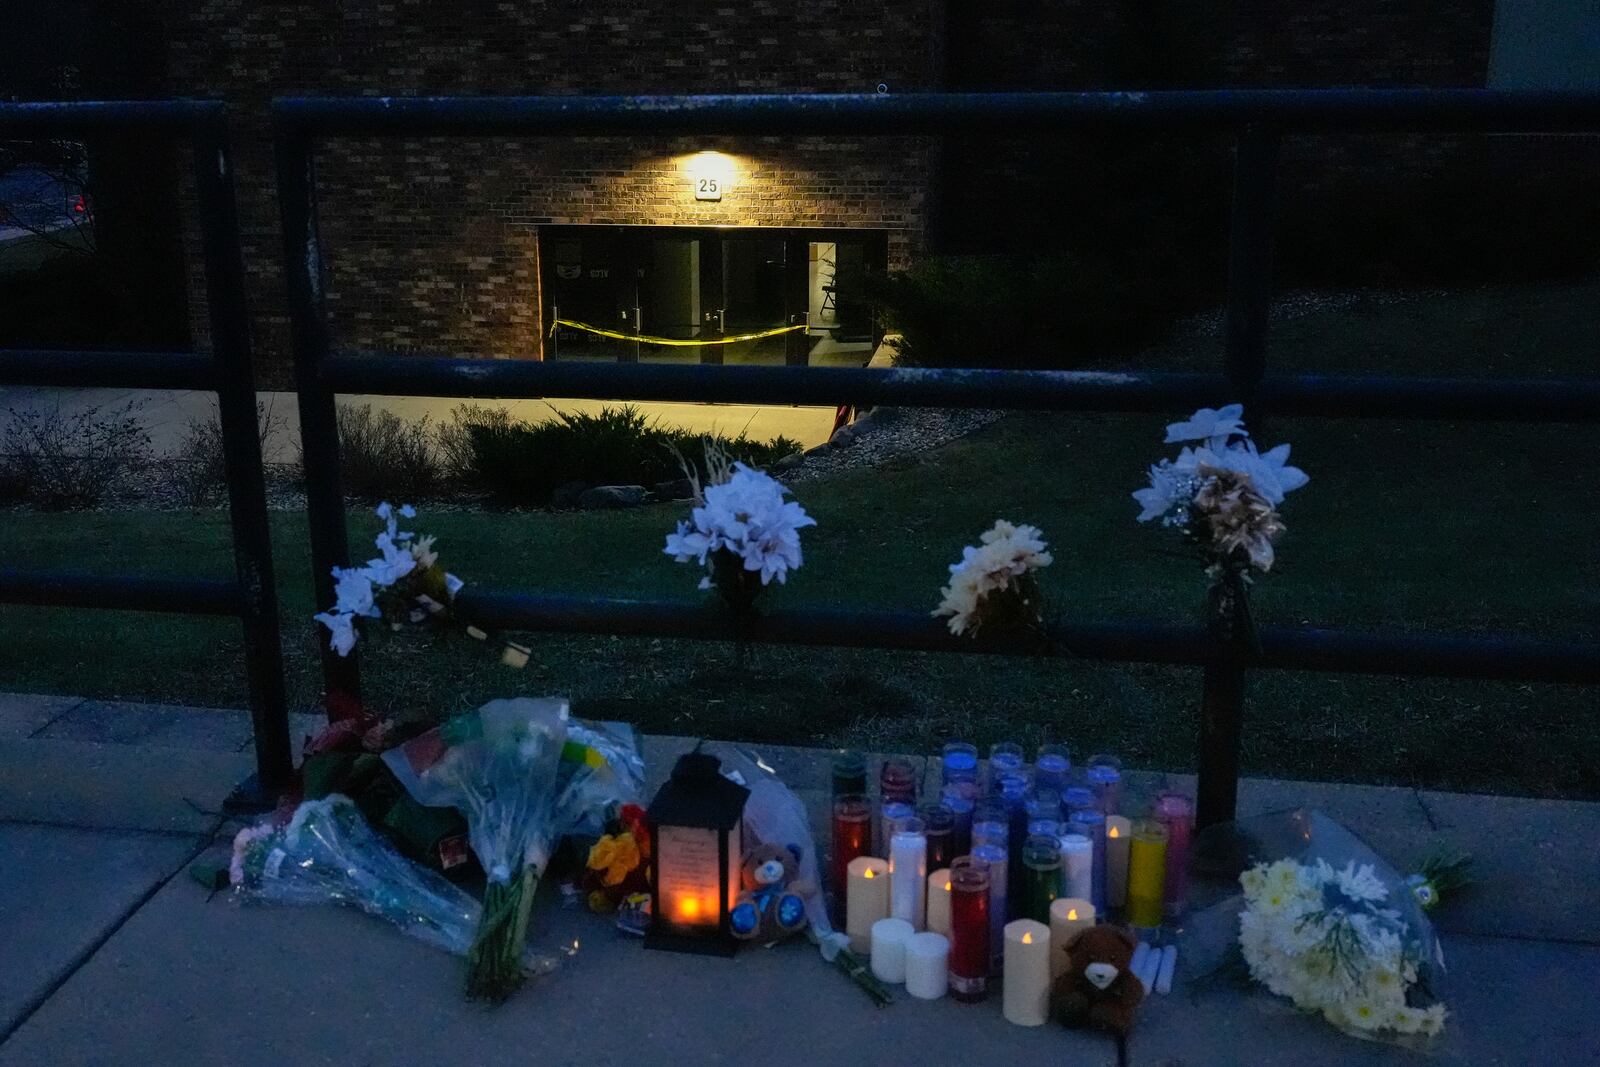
(695,857)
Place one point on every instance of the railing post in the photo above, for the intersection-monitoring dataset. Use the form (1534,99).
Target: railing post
(241,450)
(319,423)
(1250,260)
(1233,644)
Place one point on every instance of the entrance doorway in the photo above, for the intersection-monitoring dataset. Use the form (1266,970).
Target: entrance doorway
(786,295)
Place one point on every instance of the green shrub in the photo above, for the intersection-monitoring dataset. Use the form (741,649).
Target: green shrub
(523,463)
(65,461)
(385,457)
(1002,311)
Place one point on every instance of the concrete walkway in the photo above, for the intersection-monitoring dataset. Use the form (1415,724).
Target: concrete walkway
(113,956)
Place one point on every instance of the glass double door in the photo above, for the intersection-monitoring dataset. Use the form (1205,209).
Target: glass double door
(622,292)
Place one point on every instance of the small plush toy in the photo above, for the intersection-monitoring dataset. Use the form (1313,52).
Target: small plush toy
(1098,989)
(772,905)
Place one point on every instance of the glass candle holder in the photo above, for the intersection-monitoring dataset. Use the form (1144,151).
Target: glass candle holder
(849,775)
(959,762)
(1005,758)
(969,928)
(960,799)
(889,816)
(991,825)
(1052,767)
(1075,797)
(1046,827)
(939,825)
(1041,877)
(1147,874)
(1104,774)
(1176,812)
(996,859)
(1077,865)
(1014,795)
(908,872)
(852,837)
(897,781)
(1091,823)
(1042,803)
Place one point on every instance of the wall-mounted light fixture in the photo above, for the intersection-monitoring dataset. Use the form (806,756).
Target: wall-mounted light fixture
(710,174)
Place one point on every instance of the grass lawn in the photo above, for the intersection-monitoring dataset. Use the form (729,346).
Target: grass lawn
(1456,527)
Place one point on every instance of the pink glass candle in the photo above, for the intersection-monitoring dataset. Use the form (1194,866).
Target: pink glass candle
(969,928)
(1176,812)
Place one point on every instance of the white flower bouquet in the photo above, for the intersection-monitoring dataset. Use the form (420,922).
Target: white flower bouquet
(327,854)
(524,776)
(994,587)
(404,583)
(741,530)
(1327,924)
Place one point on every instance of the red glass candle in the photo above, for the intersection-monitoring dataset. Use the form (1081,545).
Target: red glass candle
(969,928)
(852,837)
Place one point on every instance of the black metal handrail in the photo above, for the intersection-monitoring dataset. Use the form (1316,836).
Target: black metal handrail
(252,594)
(1257,118)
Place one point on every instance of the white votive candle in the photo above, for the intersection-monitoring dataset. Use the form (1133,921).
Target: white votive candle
(939,901)
(1077,866)
(908,873)
(889,937)
(1026,985)
(1141,953)
(927,965)
(866,899)
(1119,833)
(1068,915)
(1169,964)
(1146,966)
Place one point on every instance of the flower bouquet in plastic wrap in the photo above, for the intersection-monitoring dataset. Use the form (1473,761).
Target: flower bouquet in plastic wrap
(1325,922)
(524,775)
(327,854)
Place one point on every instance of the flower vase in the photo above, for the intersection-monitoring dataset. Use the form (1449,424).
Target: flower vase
(1234,642)
(737,586)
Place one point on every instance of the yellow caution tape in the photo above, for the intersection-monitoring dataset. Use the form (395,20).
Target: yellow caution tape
(675,342)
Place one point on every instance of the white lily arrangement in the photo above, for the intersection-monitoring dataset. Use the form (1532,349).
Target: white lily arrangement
(741,530)
(1221,491)
(404,583)
(993,587)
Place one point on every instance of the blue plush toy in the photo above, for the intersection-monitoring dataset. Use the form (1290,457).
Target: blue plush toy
(772,904)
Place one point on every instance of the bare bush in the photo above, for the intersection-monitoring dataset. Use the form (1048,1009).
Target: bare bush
(199,472)
(56,460)
(387,458)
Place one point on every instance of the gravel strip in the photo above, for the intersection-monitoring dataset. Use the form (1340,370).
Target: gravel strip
(890,432)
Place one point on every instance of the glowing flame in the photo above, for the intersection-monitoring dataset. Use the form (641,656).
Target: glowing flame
(1112,832)
(947,886)
(1072,914)
(869,873)
(1027,938)
(689,908)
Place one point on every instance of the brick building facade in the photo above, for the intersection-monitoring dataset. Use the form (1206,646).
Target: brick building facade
(436,245)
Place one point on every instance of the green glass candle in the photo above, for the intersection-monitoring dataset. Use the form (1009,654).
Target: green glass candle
(1041,877)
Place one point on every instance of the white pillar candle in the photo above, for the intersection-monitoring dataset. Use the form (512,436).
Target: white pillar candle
(866,899)
(1119,832)
(1077,866)
(889,937)
(1026,984)
(1169,964)
(927,966)
(908,875)
(1141,953)
(1068,915)
(939,901)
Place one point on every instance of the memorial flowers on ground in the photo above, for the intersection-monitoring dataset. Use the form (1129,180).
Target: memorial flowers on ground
(403,584)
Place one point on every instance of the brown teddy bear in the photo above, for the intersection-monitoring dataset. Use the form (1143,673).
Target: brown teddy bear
(772,905)
(1098,989)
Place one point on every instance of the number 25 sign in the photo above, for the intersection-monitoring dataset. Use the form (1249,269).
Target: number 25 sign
(707,187)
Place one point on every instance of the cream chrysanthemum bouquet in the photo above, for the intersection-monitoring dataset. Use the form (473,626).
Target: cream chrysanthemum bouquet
(993,588)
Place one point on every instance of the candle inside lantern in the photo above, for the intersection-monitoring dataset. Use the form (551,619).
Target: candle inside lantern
(852,839)
(939,826)
(866,899)
(908,872)
(994,857)
(1067,916)
(889,937)
(1119,835)
(1176,812)
(927,966)
(1041,877)
(1077,865)
(1092,824)
(1147,873)
(1050,770)
(969,928)
(939,901)
(1026,986)
(959,763)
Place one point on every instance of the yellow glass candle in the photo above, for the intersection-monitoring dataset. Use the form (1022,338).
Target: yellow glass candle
(1068,915)
(866,900)
(939,901)
(1147,873)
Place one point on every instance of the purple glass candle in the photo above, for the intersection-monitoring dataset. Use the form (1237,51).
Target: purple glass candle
(1050,770)
(897,781)
(995,858)
(1176,812)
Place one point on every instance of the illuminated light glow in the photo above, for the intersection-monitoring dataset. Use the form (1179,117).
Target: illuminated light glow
(1027,939)
(711,174)
(1112,832)
(869,873)
(1072,914)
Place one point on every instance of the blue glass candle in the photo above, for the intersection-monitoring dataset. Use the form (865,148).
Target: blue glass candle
(996,859)
(991,825)
(959,762)
(1004,758)
(1014,795)
(889,815)
(1043,803)
(1046,827)
(1077,797)
(1050,770)
(1091,823)
(958,799)
(1105,778)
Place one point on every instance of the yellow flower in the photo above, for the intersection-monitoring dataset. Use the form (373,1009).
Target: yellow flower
(616,855)
(603,854)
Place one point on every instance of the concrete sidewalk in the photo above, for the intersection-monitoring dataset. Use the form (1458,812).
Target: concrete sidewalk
(115,957)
